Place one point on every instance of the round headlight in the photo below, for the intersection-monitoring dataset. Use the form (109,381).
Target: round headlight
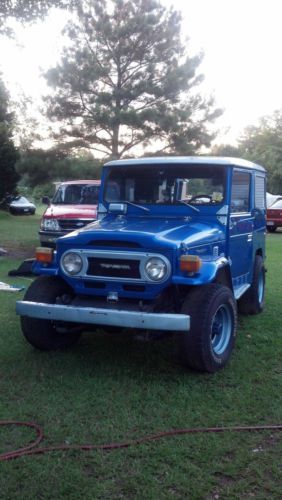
(50,224)
(72,263)
(156,268)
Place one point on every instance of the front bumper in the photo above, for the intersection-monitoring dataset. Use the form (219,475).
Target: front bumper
(103,316)
(22,210)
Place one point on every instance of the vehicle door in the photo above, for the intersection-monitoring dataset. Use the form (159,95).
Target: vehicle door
(241,226)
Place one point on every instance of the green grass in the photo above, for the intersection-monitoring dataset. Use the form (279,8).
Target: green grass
(115,388)
(19,234)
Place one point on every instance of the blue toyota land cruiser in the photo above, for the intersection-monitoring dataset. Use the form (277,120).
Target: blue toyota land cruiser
(178,246)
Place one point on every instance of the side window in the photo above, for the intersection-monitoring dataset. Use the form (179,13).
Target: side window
(240,195)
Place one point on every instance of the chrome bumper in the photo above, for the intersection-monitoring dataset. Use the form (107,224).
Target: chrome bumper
(100,316)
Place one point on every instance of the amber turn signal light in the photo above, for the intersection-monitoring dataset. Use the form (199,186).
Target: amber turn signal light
(44,255)
(190,263)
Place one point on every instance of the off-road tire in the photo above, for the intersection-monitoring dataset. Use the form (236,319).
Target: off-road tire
(213,322)
(44,334)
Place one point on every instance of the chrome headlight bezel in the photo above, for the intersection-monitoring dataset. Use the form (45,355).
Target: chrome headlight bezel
(156,269)
(71,263)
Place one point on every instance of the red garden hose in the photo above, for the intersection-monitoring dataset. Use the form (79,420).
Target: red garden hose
(32,450)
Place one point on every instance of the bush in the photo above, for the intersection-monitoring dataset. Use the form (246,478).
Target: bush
(41,190)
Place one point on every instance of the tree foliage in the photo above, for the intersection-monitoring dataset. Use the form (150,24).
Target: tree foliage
(8,152)
(39,167)
(226,150)
(263,144)
(125,80)
(27,11)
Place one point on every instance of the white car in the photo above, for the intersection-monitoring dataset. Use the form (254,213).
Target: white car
(21,206)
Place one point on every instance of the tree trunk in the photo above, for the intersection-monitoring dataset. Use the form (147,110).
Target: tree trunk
(115,148)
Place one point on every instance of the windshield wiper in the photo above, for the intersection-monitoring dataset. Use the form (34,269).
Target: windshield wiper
(137,206)
(188,205)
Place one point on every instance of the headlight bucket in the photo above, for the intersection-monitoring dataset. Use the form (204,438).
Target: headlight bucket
(71,263)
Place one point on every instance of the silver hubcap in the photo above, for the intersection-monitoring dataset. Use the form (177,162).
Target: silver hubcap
(221,329)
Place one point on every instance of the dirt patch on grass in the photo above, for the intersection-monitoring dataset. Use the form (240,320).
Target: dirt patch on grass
(19,252)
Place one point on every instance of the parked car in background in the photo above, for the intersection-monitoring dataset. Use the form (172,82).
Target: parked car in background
(274,216)
(271,198)
(73,206)
(21,206)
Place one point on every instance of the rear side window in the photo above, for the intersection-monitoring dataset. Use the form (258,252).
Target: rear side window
(240,195)
(259,192)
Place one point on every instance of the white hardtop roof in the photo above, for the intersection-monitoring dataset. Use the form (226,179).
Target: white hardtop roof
(85,181)
(200,160)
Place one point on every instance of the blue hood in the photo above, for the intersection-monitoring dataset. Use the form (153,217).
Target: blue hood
(148,232)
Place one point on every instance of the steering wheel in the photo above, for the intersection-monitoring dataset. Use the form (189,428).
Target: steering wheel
(201,196)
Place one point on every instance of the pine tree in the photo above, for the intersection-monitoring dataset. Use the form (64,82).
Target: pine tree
(27,11)
(125,80)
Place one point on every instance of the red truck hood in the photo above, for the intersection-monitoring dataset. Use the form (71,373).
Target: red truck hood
(71,212)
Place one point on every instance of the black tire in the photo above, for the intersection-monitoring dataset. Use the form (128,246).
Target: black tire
(213,322)
(44,334)
(112,329)
(252,302)
(271,229)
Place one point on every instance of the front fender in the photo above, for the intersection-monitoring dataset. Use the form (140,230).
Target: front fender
(207,273)
(47,270)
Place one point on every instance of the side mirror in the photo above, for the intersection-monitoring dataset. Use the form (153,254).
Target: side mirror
(118,208)
(46,200)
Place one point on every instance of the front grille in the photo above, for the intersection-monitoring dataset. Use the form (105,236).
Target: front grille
(113,268)
(120,265)
(73,224)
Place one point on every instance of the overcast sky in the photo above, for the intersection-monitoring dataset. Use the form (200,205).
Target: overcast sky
(241,39)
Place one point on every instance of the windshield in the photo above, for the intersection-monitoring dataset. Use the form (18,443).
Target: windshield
(166,184)
(76,194)
(20,200)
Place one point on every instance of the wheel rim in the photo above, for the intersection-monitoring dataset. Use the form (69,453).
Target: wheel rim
(261,287)
(221,329)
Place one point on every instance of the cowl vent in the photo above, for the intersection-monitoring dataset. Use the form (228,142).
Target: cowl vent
(115,244)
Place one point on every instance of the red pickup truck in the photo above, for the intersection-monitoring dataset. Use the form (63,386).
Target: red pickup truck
(73,206)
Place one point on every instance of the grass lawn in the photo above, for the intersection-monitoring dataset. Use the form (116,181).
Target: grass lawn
(114,388)
(19,234)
